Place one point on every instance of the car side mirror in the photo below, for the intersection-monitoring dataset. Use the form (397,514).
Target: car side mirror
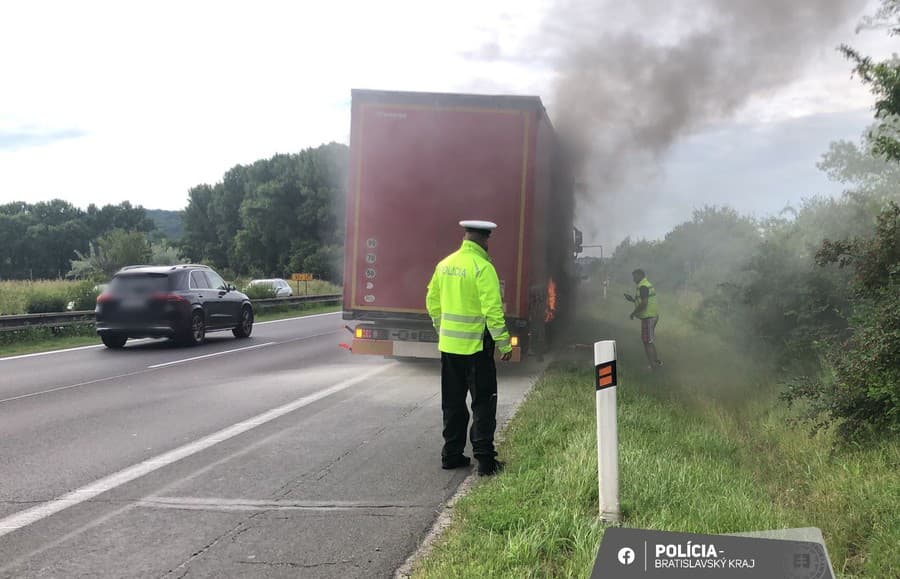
(230,287)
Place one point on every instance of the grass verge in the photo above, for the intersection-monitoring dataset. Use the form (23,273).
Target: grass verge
(45,340)
(704,447)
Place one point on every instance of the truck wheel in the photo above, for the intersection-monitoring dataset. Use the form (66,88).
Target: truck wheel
(114,341)
(245,327)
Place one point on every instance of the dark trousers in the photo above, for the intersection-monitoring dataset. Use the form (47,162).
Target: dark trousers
(475,374)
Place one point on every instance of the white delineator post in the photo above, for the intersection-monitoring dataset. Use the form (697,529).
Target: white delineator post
(605,380)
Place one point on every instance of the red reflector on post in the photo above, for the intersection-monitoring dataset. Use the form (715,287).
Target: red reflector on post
(606,375)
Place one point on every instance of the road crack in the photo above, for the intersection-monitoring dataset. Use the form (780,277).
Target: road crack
(289,487)
(185,565)
(296,565)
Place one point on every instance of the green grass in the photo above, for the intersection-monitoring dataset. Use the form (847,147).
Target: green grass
(14,294)
(43,340)
(704,447)
(316,287)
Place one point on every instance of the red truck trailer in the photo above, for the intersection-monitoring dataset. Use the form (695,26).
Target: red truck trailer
(420,163)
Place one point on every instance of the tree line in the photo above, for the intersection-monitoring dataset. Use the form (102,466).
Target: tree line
(270,218)
(40,240)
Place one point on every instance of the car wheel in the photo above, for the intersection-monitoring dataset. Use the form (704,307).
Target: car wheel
(244,329)
(114,341)
(197,332)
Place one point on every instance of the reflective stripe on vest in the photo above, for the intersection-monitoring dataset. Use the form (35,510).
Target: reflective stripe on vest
(464,299)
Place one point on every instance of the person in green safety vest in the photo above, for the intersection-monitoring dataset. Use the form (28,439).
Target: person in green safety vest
(466,307)
(647,311)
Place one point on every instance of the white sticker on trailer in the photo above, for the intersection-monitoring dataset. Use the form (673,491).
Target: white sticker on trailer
(416,349)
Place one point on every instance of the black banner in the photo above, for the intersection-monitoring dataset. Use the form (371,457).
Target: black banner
(636,553)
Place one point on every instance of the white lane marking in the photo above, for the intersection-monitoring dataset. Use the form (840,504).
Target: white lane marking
(98,380)
(92,490)
(21,356)
(214,354)
(295,318)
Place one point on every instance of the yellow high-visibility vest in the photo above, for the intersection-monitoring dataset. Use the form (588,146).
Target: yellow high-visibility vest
(463,299)
(652,309)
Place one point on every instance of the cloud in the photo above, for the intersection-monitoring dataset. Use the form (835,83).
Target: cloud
(16,140)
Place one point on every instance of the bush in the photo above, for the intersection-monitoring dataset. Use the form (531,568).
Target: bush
(260,291)
(83,296)
(862,390)
(46,301)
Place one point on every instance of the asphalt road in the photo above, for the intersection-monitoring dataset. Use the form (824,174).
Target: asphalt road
(278,456)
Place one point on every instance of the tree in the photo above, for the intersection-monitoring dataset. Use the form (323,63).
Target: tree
(883,79)
(201,240)
(112,252)
(267,218)
(124,248)
(169,224)
(862,391)
(162,253)
(696,254)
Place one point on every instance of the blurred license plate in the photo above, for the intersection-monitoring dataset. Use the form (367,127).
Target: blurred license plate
(133,304)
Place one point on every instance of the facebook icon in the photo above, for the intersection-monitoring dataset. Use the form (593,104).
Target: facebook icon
(626,556)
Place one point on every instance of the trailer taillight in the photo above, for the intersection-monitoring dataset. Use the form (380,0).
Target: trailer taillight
(370,334)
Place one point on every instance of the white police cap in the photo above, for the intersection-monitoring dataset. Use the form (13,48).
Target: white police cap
(486,226)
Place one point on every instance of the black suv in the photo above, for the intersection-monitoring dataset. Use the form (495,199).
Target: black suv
(181,302)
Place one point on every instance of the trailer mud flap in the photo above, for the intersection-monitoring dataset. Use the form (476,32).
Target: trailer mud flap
(373,347)
(410,349)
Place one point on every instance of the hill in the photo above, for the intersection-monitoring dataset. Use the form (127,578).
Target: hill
(168,223)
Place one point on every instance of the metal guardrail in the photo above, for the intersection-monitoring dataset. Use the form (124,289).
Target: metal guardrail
(267,304)
(52,320)
(61,319)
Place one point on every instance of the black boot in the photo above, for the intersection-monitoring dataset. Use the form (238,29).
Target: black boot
(458,461)
(489,466)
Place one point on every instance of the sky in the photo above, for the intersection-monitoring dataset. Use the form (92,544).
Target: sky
(104,102)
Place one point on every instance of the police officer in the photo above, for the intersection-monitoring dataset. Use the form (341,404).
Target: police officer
(465,304)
